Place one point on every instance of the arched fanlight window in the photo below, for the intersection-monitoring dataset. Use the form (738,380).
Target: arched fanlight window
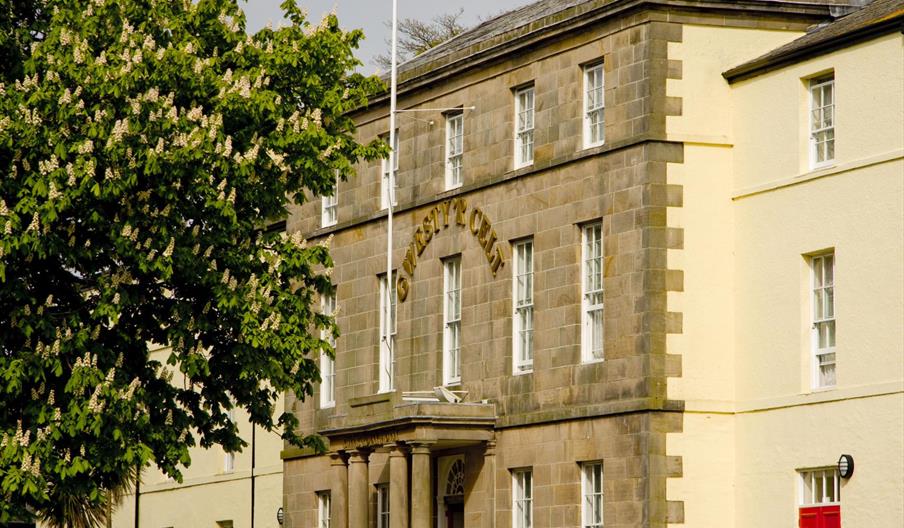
(455,481)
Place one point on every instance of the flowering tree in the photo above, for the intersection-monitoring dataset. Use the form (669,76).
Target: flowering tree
(145,145)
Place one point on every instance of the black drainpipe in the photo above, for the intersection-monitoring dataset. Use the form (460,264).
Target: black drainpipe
(252,473)
(137,497)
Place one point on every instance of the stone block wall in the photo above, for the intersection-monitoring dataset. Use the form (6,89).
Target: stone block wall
(631,447)
(621,184)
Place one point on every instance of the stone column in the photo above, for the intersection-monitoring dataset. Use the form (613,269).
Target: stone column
(339,491)
(489,469)
(358,488)
(421,496)
(398,486)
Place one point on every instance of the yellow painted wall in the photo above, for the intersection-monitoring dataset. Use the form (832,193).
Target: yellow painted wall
(202,505)
(705,52)
(752,209)
(770,112)
(707,487)
(859,214)
(772,445)
(707,343)
(208,492)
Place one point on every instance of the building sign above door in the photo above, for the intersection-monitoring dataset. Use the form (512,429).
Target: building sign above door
(437,219)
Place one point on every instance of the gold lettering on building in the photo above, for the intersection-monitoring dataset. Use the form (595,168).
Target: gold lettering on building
(435,221)
(371,441)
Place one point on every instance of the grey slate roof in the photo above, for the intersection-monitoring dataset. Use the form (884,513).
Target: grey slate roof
(878,17)
(545,13)
(495,27)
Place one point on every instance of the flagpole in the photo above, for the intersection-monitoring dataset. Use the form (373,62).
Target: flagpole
(390,194)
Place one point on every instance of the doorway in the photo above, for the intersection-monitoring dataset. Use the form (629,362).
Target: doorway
(450,493)
(455,512)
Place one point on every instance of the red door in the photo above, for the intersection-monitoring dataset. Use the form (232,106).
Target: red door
(820,517)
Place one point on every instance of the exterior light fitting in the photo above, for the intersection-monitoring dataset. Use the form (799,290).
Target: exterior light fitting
(846,466)
(280,516)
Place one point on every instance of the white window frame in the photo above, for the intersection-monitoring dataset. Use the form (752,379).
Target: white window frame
(822,121)
(327,364)
(592,294)
(524,126)
(387,350)
(824,328)
(523,307)
(229,456)
(324,504)
(383,513)
(384,174)
(594,104)
(455,131)
(452,320)
(229,462)
(827,479)
(592,504)
(329,208)
(522,498)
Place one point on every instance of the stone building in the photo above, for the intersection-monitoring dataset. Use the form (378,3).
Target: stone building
(605,248)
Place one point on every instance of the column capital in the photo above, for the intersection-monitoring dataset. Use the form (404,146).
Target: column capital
(490,448)
(397,449)
(421,448)
(358,456)
(338,458)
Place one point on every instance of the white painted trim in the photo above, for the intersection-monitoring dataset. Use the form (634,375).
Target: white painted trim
(328,304)
(449,184)
(517,162)
(842,168)
(814,329)
(447,378)
(386,380)
(813,84)
(586,485)
(518,491)
(790,401)
(517,252)
(586,335)
(586,122)
(384,163)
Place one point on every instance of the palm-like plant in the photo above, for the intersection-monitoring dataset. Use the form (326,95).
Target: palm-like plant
(74,510)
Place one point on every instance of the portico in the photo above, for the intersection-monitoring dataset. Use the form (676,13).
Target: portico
(411,439)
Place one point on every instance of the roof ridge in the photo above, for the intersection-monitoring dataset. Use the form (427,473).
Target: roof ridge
(825,37)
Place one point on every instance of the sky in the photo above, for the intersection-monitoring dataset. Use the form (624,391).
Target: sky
(370,15)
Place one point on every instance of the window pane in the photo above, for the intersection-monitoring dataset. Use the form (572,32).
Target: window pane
(819,487)
(597,334)
(817,271)
(818,304)
(827,375)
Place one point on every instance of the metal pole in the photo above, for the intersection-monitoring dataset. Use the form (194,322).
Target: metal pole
(253,430)
(138,498)
(390,192)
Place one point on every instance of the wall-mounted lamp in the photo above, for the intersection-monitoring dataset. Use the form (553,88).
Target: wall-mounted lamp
(280,516)
(846,466)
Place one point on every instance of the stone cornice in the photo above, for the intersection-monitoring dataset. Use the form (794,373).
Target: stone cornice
(533,33)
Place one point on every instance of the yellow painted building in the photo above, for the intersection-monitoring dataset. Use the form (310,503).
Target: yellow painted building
(217,489)
(793,179)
